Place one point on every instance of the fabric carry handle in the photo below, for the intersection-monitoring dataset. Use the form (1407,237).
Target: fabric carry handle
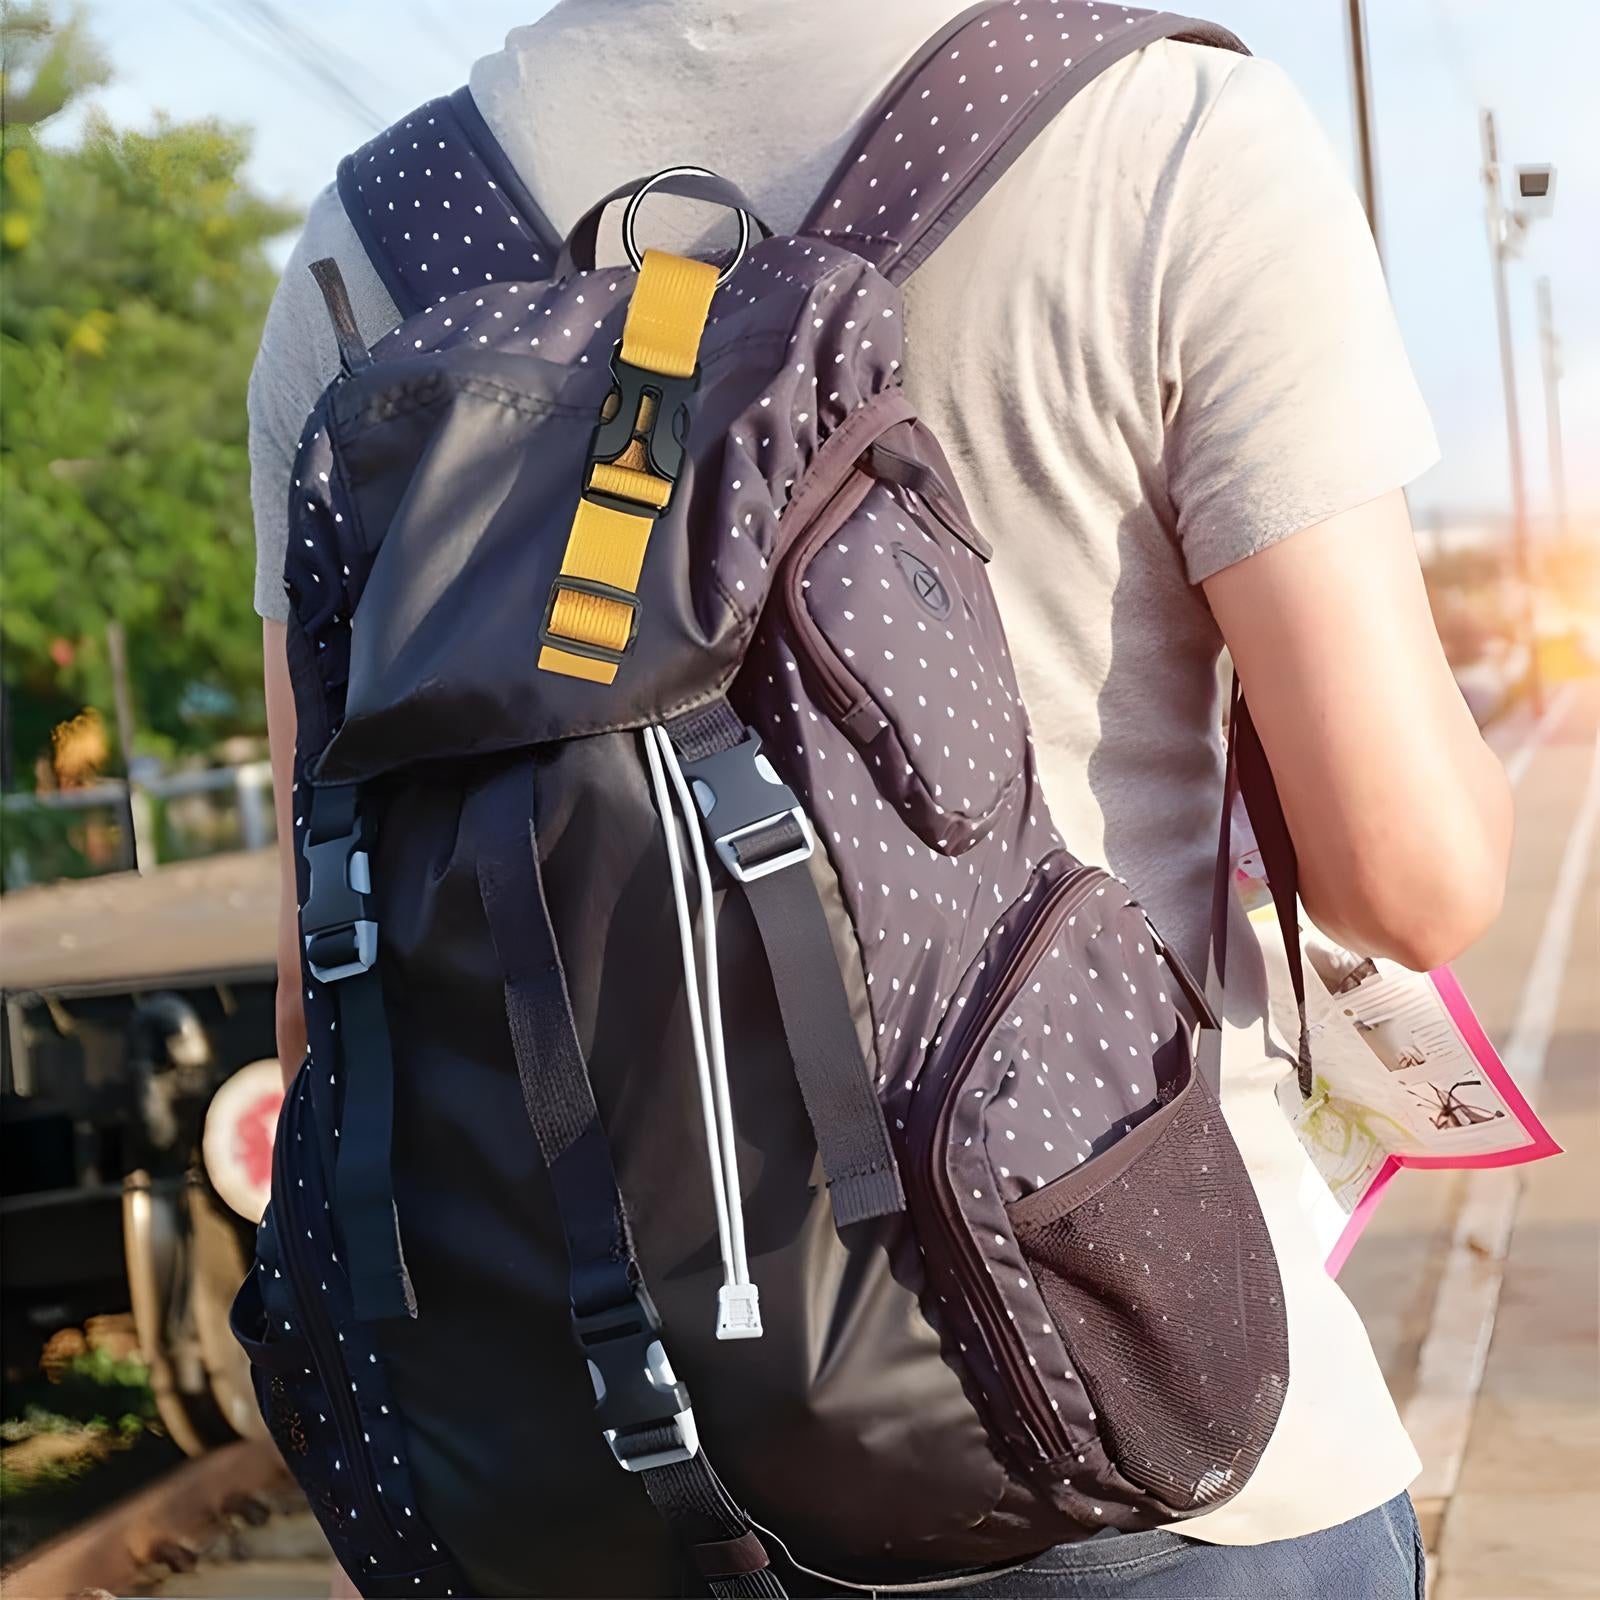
(578,250)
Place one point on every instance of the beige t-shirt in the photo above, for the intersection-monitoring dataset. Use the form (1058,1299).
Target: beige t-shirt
(1159,344)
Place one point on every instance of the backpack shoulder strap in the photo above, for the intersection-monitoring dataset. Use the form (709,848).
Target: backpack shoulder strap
(965,107)
(438,207)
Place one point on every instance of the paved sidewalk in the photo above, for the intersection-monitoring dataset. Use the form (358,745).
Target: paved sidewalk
(1518,1516)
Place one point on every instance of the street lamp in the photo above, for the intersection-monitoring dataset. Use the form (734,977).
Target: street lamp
(1507,227)
(1550,361)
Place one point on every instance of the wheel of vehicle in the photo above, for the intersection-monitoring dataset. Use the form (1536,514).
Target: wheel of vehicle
(159,1244)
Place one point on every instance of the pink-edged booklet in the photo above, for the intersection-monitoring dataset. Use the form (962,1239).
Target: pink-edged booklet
(1404,1075)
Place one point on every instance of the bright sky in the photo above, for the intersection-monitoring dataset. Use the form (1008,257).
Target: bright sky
(1435,63)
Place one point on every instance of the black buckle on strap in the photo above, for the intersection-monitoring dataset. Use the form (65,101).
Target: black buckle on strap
(643,1410)
(752,818)
(663,435)
(337,923)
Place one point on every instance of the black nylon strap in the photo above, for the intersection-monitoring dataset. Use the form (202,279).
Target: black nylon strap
(363,1181)
(1278,856)
(835,1080)
(718,1536)
(498,820)
(703,732)
(1248,772)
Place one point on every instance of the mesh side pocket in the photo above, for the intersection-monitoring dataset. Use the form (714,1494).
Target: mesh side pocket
(1158,1272)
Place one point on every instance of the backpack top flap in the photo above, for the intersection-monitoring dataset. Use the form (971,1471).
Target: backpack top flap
(439,483)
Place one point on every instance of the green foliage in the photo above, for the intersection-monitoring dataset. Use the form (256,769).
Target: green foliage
(135,283)
(101,1403)
(43,64)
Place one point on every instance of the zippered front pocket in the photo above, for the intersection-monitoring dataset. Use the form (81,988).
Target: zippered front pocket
(897,629)
(1064,1075)
(320,1382)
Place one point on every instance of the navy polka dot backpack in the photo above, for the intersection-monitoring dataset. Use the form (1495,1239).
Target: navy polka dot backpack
(717,1056)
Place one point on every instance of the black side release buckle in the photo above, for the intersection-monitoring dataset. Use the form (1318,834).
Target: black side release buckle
(663,433)
(643,1410)
(754,822)
(337,921)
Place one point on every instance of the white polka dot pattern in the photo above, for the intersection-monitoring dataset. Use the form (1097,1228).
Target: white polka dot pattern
(1024,1024)
(924,160)
(323,1391)
(434,217)
(910,624)
(1025,1019)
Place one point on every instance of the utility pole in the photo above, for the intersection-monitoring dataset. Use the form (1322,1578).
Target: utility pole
(1365,124)
(1501,228)
(1550,353)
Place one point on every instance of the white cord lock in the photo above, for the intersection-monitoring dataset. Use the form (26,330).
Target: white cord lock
(738,1311)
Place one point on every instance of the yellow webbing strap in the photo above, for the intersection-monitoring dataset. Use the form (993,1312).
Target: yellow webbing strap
(665,321)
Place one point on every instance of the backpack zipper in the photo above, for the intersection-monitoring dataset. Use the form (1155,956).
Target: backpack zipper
(841,690)
(1027,1389)
(845,694)
(330,1366)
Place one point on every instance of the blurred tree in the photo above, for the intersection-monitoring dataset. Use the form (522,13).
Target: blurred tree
(43,64)
(134,286)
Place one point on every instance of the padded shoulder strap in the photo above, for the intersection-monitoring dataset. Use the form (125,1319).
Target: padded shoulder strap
(439,208)
(965,107)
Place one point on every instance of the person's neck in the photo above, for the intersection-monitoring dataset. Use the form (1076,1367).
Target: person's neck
(786,96)
(744,28)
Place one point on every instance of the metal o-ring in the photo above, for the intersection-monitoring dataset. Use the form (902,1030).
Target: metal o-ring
(630,245)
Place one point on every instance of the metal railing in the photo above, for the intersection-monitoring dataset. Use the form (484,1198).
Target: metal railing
(148,820)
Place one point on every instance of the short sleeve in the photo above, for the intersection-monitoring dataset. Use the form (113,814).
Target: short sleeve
(296,361)
(1288,397)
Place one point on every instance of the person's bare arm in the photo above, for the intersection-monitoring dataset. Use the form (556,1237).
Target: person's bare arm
(291,1017)
(1401,816)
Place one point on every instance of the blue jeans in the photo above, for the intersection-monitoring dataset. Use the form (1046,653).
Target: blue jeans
(1373,1557)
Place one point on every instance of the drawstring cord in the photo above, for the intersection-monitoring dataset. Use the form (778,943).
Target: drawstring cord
(738,1303)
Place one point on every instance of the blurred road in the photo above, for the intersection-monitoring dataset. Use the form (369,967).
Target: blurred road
(1481,1291)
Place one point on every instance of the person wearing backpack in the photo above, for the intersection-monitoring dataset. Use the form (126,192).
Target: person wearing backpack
(724,1042)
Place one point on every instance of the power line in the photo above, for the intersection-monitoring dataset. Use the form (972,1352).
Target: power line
(255,28)
(330,64)
(227,28)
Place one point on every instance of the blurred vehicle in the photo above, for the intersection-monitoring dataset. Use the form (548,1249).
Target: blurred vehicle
(137,1088)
